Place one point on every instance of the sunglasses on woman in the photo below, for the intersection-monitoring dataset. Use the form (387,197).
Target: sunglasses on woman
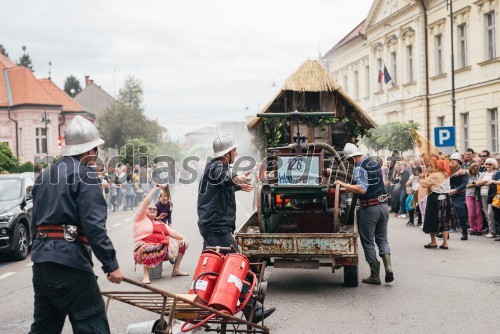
(152,209)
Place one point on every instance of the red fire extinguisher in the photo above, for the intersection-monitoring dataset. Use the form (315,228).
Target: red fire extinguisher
(206,274)
(230,283)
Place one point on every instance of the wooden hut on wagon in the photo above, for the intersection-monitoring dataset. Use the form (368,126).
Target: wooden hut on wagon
(312,89)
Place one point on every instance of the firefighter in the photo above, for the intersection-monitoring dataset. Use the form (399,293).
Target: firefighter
(373,212)
(69,222)
(217,202)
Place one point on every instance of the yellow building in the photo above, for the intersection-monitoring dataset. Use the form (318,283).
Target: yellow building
(412,40)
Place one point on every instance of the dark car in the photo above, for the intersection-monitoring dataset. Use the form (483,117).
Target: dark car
(16,203)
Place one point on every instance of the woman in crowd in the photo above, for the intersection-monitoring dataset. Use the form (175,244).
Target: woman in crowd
(396,188)
(414,183)
(164,206)
(404,175)
(440,215)
(493,194)
(473,202)
(129,191)
(156,242)
(491,167)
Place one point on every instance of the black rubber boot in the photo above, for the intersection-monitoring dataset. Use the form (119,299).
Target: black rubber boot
(465,236)
(259,312)
(389,276)
(374,274)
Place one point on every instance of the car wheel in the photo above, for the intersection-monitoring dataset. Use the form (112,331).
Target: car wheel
(21,242)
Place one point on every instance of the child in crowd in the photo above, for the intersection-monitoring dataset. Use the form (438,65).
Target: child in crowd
(410,206)
(164,205)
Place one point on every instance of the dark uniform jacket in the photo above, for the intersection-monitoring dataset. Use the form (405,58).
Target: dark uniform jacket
(216,199)
(459,182)
(70,193)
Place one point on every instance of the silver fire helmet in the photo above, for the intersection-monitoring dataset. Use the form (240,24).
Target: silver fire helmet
(81,136)
(351,150)
(223,144)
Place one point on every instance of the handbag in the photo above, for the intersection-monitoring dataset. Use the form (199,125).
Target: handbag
(496,199)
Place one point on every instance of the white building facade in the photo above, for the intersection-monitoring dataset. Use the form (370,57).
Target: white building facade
(412,39)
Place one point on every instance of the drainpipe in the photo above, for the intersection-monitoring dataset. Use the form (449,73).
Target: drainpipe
(63,117)
(427,101)
(9,98)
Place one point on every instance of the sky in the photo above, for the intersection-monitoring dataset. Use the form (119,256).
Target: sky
(200,62)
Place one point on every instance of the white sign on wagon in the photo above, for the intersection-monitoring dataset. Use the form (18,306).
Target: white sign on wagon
(298,170)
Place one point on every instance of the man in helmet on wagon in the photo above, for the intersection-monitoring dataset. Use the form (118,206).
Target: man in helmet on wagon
(69,222)
(217,202)
(373,212)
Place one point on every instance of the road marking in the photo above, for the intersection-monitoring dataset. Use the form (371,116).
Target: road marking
(127,220)
(116,225)
(6,275)
(29,264)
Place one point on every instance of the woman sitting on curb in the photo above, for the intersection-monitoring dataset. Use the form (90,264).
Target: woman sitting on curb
(156,242)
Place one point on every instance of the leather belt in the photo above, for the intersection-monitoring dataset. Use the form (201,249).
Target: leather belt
(374,201)
(69,233)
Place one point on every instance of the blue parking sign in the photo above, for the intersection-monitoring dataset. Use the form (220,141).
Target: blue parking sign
(444,136)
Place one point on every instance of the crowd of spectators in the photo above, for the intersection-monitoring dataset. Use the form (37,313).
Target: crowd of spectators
(446,193)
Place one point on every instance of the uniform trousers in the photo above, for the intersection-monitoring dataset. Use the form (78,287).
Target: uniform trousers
(62,291)
(372,226)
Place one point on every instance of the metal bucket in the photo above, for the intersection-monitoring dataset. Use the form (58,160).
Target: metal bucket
(147,327)
(155,272)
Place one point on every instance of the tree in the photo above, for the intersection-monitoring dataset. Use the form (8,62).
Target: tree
(72,83)
(3,51)
(137,148)
(125,119)
(25,61)
(8,161)
(390,136)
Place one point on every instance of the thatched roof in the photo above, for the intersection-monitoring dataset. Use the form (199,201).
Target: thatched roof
(312,76)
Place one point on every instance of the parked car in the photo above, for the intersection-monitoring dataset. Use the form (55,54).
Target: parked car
(16,203)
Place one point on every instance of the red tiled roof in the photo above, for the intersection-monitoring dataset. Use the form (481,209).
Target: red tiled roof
(5,62)
(353,34)
(25,88)
(60,96)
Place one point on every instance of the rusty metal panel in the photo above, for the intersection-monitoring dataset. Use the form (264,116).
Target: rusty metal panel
(310,244)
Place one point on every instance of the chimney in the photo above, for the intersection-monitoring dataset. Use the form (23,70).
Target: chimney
(87,80)
(91,81)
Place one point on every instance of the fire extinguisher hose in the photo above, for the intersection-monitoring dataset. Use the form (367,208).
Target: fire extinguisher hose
(249,294)
(196,280)
(201,323)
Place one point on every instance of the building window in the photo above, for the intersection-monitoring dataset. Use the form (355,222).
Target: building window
(394,63)
(409,56)
(439,54)
(490,32)
(356,85)
(367,83)
(41,140)
(440,121)
(493,115)
(465,124)
(462,44)
(379,68)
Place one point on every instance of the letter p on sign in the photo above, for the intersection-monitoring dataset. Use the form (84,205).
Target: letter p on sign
(444,136)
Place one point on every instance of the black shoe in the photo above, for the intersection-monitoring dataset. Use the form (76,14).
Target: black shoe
(464,237)
(410,224)
(259,315)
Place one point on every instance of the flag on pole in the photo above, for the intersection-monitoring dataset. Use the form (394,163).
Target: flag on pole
(383,74)
(387,76)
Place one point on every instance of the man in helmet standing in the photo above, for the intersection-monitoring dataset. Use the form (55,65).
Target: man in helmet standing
(217,202)
(373,212)
(69,222)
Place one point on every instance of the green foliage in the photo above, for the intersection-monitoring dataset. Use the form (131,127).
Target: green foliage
(138,147)
(394,135)
(72,82)
(125,119)
(3,51)
(322,122)
(25,167)
(25,60)
(172,149)
(8,161)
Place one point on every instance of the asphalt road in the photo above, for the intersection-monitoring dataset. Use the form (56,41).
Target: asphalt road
(435,291)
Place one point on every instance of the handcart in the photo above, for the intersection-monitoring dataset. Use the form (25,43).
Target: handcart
(188,308)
